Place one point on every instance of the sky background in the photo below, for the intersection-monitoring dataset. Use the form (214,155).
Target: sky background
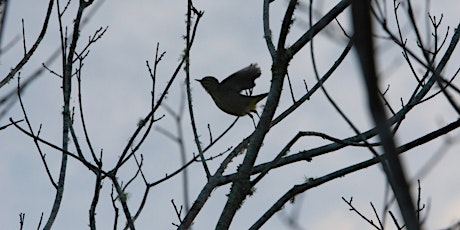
(116,91)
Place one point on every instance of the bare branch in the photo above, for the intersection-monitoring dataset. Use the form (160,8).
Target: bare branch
(29,54)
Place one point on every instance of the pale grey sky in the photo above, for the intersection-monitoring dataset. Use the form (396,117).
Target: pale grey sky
(116,94)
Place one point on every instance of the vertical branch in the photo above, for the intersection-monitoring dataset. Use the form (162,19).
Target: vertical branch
(242,186)
(66,125)
(122,198)
(267,31)
(3,8)
(286,25)
(183,152)
(180,141)
(390,162)
(82,116)
(189,40)
(95,201)
(67,63)
(425,52)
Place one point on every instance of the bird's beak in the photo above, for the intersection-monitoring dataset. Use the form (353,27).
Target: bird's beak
(199,80)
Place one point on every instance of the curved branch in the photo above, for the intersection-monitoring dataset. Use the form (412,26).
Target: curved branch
(287,22)
(29,54)
(267,31)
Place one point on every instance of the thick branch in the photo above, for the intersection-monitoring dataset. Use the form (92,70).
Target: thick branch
(391,164)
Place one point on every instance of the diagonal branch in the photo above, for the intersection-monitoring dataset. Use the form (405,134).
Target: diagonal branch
(391,164)
(312,183)
(29,54)
(319,26)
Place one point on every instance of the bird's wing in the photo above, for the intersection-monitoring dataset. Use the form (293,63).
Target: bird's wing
(243,79)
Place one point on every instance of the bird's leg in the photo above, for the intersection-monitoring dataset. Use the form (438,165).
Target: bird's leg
(255,111)
(252,118)
(248,92)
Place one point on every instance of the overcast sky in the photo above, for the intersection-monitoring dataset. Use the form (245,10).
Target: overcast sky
(116,95)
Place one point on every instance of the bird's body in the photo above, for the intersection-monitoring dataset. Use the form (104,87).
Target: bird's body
(227,96)
(238,105)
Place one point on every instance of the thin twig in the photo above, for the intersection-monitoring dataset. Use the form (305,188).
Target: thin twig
(352,208)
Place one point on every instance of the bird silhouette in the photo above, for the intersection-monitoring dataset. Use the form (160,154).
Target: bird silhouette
(227,94)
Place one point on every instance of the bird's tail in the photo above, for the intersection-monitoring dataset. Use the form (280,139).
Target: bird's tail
(257,98)
(260,97)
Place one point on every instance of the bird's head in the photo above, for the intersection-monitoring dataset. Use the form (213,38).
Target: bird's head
(209,83)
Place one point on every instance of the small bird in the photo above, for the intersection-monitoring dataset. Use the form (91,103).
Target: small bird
(227,94)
